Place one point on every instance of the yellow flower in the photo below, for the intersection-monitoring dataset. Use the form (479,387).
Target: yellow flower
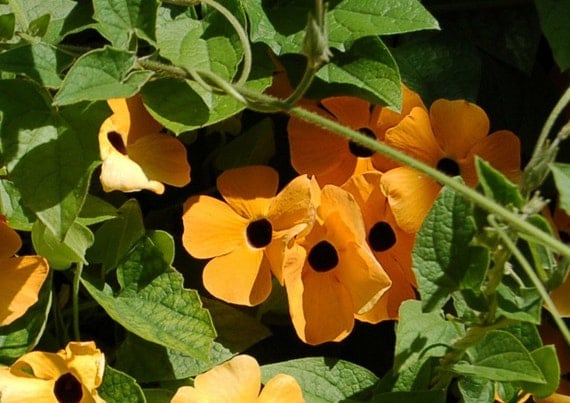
(70,375)
(239,381)
(21,279)
(391,246)
(448,139)
(330,274)
(333,159)
(241,234)
(136,154)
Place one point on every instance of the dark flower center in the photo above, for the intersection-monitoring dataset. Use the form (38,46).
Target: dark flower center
(381,237)
(67,389)
(259,233)
(359,150)
(448,167)
(323,257)
(117,141)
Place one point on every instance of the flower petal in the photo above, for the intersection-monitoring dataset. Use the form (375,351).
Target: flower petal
(293,205)
(211,227)
(235,381)
(388,306)
(350,111)
(387,118)
(86,362)
(249,190)
(22,279)
(20,389)
(458,125)
(189,394)
(502,150)
(281,389)
(414,136)
(131,117)
(10,241)
(162,158)
(242,277)
(410,195)
(349,227)
(118,172)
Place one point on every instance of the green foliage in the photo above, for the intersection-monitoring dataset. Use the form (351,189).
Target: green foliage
(120,387)
(555,29)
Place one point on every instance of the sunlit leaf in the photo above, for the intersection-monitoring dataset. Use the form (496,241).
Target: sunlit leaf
(120,387)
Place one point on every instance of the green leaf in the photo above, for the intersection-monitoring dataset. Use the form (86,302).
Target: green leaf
(555,27)
(158,395)
(101,74)
(120,387)
(367,69)
(547,360)
(500,356)
(497,187)
(96,210)
(254,146)
(7,26)
(164,242)
(119,20)
(116,237)
(475,389)
(429,334)
(39,26)
(49,158)
(517,303)
(432,396)
(527,334)
(24,333)
(414,377)
(11,205)
(281,24)
(561,174)
(323,379)
(175,104)
(62,254)
(443,258)
(199,44)
(151,288)
(39,61)
(161,363)
(439,66)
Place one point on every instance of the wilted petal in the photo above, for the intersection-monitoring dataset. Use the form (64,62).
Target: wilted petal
(281,389)
(22,279)
(211,227)
(118,172)
(243,276)
(249,190)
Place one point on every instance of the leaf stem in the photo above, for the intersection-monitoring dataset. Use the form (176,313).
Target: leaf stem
(75,299)
(508,242)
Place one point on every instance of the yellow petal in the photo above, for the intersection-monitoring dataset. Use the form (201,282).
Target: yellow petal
(19,389)
(281,389)
(293,205)
(211,227)
(414,136)
(340,203)
(458,125)
(131,117)
(242,277)
(118,172)
(188,394)
(388,118)
(10,241)
(236,381)
(410,195)
(107,132)
(162,158)
(22,279)
(86,362)
(387,307)
(249,190)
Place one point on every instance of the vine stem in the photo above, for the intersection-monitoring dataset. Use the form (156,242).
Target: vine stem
(75,299)
(533,277)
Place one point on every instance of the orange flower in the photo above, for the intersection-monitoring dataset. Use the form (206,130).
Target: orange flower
(136,154)
(70,375)
(239,233)
(448,139)
(333,159)
(22,277)
(239,381)
(391,246)
(330,274)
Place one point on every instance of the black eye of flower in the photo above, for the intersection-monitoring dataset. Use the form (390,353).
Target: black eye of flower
(448,167)
(323,257)
(358,150)
(67,389)
(259,233)
(381,237)
(117,141)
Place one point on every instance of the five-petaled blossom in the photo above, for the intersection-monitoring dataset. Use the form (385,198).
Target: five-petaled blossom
(70,375)
(239,381)
(390,244)
(333,159)
(448,138)
(246,232)
(21,277)
(330,273)
(136,154)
